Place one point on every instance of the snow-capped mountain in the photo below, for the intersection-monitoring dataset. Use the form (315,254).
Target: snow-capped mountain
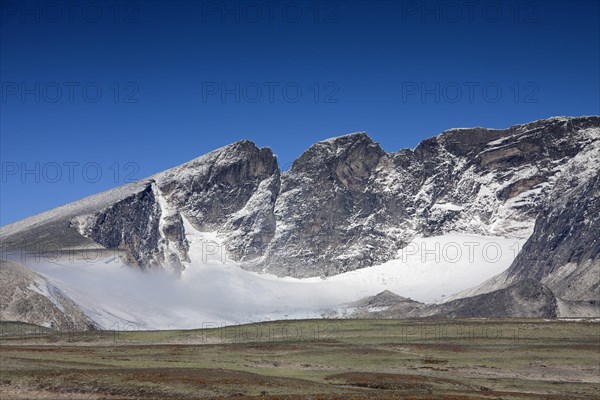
(347,208)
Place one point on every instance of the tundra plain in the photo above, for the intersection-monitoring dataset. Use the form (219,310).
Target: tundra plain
(308,359)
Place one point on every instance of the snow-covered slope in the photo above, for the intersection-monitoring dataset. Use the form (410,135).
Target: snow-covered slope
(214,289)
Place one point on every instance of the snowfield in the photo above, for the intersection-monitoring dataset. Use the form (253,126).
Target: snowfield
(213,290)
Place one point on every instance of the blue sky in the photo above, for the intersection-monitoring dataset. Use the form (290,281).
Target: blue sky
(98,93)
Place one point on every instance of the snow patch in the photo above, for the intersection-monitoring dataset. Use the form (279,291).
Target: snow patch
(447,207)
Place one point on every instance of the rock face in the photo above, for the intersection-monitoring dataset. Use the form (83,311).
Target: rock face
(28,297)
(347,204)
(563,252)
(212,188)
(327,216)
(564,249)
(131,224)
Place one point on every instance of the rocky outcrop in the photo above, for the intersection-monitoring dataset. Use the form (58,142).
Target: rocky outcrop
(564,249)
(384,305)
(28,297)
(131,224)
(142,228)
(249,231)
(527,298)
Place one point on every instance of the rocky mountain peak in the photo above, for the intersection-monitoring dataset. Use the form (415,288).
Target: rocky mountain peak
(243,154)
(346,140)
(211,188)
(357,151)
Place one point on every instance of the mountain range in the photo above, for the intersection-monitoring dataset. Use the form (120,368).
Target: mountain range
(345,210)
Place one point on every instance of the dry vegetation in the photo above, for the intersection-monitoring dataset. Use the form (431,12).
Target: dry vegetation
(324,359)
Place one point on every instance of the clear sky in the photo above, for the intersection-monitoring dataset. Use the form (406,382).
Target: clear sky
(98,93)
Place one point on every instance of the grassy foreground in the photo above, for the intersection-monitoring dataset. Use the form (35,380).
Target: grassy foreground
(311,359)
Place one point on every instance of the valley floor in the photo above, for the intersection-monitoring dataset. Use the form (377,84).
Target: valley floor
(308,359)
